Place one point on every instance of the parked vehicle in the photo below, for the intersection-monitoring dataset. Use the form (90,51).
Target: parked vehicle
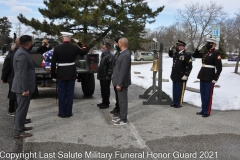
(143,56)
(86,66)
(233,58)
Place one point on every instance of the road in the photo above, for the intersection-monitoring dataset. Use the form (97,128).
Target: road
(153,131)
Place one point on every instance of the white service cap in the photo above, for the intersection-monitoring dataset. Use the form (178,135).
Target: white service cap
(211,40)
(66,34)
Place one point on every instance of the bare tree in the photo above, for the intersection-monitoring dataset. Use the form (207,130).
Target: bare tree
(234,34)
(197,20)
(20,31)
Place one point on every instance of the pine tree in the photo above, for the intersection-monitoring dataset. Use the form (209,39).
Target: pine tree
(221,48)
(97,19)
(5,29)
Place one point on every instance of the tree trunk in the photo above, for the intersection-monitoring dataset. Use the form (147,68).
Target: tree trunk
(237,63)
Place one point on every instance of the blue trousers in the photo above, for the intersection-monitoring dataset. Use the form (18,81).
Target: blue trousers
(206,91)
(178,92)
(65,97)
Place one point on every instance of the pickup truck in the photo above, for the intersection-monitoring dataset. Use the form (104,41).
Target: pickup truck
(86,66)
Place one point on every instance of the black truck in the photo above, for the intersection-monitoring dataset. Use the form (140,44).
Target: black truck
(86,66)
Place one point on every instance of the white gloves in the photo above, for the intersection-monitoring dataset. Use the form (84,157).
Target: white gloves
(75,40)
(201,46)
(54,80)
(184,78)
(213,81)
(171,48)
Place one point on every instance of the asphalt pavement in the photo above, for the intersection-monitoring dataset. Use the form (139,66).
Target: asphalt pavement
(153,131)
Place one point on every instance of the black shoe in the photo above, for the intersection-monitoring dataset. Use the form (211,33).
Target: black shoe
(199,113)
(28,121)
(115,111)
(116,114)
(27,128)
(205,115)
(104,106)
(61,116)
(177,106)
(100,104)
(69,116)
(173,105)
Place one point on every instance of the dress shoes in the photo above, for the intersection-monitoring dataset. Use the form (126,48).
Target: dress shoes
(177,106)
(100,104)
(65,116)
(61,116)
(104,106)
(115,111)
(205,115)
(27,128)
(23,135)
(173,105)
(69,116)
(199,113)
(28,121)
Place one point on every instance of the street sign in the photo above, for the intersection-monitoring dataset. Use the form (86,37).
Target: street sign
(216,31)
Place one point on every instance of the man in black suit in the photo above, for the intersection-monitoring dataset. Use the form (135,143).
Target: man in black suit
(7,76)
(24,84)
(104,75)
(122,80)
(182,66)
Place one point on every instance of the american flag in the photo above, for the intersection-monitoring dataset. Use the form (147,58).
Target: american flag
(47,57)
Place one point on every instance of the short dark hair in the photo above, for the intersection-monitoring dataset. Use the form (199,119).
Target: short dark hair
(25,39)
(108,45)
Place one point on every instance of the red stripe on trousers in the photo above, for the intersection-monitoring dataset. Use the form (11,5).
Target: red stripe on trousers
(210,100)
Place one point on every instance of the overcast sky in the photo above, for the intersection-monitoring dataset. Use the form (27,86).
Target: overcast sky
(29,8)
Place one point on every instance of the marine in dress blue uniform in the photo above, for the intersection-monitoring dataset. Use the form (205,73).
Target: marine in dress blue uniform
(66,74)
(182,66)
(208,74)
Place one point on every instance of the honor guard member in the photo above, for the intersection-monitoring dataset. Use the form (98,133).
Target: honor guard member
(66,74)
(208,74)
(182,66)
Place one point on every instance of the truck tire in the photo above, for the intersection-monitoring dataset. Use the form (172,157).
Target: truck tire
(88,84)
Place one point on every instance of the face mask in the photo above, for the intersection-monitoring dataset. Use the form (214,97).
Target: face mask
(116,47)
(177,49)
(209,45)
(102,50)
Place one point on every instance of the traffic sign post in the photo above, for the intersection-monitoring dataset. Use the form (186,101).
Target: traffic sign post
(216,34)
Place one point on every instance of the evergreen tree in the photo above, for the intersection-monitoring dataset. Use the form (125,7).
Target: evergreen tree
(97,19)
(221,48)
(5,29)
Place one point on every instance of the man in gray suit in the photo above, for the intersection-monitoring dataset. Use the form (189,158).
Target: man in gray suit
(24,84)
(121,78)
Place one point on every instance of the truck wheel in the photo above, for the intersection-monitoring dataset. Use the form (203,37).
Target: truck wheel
(88,84)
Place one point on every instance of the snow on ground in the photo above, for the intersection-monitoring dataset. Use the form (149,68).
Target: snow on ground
(227,97)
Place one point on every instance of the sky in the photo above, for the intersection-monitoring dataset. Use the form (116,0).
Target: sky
(227,97)
(29,8)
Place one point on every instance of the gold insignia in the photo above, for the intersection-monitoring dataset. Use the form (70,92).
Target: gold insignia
(219,57)
(190,60)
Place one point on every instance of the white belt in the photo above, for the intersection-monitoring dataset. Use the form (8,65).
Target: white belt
(66,64)
(208,66)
